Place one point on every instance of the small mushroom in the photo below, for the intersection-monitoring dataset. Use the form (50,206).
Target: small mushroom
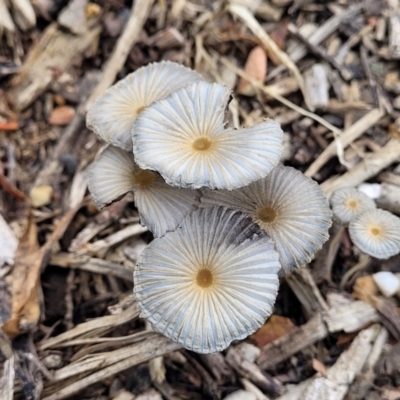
(377,233)
(290,207)
(348,202)
(112,115)
(211,281)
(183,137)
(161,207)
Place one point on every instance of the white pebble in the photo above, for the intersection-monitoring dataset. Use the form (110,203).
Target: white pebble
(387,282)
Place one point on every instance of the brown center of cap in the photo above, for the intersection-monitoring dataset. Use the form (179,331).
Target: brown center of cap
(267,214)
(204,278)
(201,144)
(375,231)
(353,204)
(144,178)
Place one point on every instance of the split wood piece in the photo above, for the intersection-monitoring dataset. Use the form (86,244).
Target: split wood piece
(24,15)
(305,289)
(216,363)
(359,388)
(269,12)
(102,246)
(340,376)
(345,139)
(351,317)
(6,22)
(323,32)
(365,62)
(91,362)
(321,53)
(116,362)
(92,328)
(102,220)
(326,257)
(389,316)
(389,178)
(348,318)
(317,86)
(252,372)
(394,35)
(270,45)
(45,59)
(389,198)
(296,340)
(94,265)
(73,17)
(123,395)
(371,165)
(249,387)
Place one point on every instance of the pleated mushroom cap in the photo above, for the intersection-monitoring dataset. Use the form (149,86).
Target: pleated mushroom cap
(347,203)
(183,137)
(113,113)
(377,233)
(287,205)
(161,207)
(211,281)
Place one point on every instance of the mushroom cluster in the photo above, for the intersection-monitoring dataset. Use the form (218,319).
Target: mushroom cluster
(226,216)
(374,231)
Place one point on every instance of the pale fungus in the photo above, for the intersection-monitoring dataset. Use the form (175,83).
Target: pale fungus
(348,202)
(183,137)
(290,207)
(113,113)
(161,207)
(211,281)
(377,233)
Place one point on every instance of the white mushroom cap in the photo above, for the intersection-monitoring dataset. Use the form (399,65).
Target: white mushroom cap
(161,207)
(289,206)
(113,113)
(348,202)
(377,233)
(183,138)
(210,282)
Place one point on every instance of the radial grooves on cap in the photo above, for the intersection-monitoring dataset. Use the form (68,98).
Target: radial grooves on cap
(166,139)
(113,113)
(241,280)
(302,219)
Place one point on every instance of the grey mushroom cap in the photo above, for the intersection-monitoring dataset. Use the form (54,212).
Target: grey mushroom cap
(211,281)
(183,137)
(377,233)
(161,207)
(113,113)
(348,202)
(290,207)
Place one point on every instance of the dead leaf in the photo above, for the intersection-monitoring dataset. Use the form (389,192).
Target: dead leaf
(318,366)
(256,67)
(24,282)
(274,328)
(365,289)
(62,115)
(28,264)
